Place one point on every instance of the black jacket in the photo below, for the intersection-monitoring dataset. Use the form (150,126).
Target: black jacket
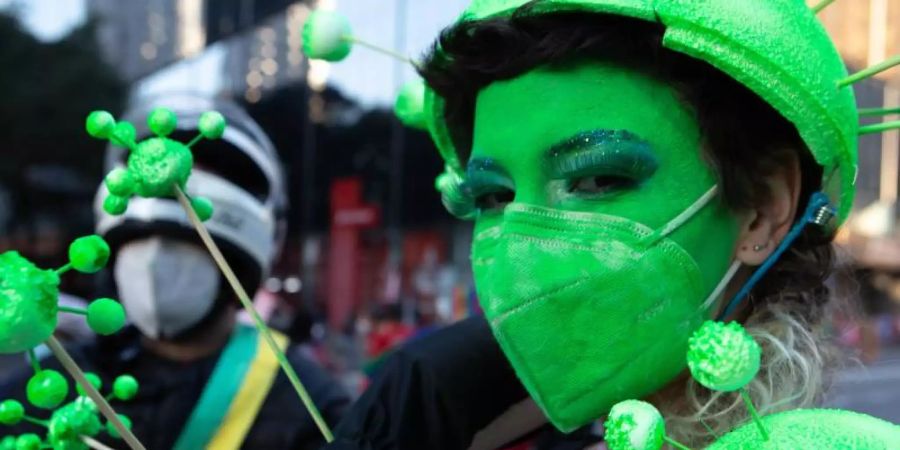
(169,390)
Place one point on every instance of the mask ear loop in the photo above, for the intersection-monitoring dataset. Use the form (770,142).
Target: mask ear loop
(819,211)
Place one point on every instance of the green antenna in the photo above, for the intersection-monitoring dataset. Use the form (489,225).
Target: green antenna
(821,5)
(870,71)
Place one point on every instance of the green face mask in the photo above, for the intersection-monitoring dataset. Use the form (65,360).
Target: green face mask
(598,237)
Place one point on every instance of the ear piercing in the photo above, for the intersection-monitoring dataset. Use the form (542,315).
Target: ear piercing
(758,248)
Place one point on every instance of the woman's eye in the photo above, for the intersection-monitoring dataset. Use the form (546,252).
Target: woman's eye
(599,184)
(494,200)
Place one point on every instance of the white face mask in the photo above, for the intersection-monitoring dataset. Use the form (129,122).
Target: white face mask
(166,286)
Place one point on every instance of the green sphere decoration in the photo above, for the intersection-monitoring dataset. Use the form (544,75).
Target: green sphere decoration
(212,125)
(105,316)
(11,412)
(125,387)
(47,389)
(100,124)
(89,254)
(162,121)
(28,441)
(410,105)
(723,357)
(203,207)
(69,423)
(634,425)
(156,166)
(327,35)
(28,303)
(112,430)
(92,378)
(8,443)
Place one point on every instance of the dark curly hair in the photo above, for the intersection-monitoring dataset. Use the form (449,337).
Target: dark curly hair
(744,140)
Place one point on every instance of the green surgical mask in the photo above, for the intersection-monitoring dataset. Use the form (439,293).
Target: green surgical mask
(567,293)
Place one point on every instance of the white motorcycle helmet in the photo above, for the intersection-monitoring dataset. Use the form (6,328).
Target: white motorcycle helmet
(240,173)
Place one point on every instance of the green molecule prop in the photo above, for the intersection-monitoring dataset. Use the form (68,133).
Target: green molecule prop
(69,424)
(29,297)
(725,358)
(157,166)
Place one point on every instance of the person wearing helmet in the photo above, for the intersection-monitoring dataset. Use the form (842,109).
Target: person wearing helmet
(633,168)
(206,380)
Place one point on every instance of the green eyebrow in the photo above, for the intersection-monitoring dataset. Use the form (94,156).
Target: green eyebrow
(599,138)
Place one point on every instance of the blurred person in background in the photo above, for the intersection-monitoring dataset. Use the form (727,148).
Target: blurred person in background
(185,346)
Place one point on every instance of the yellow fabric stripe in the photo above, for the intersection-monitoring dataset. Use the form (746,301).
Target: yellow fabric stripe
(249,399)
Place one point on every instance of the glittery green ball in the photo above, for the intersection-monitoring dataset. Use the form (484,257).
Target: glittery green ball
(203,207)
(47,389)
(100,124)
(123,134)
(723,357)
(212,125)
(105,316)
(11,412)
(325,36)
(162,121)
(125,387)
(8,443)
(410,105)
(160,164)
(28,303)
(634,425)
(89,254)
(120,182)
(29,441)
(113,431)
(115,205)
(68,424)
(92,378)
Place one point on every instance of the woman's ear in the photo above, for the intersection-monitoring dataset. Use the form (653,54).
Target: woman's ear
(765,225)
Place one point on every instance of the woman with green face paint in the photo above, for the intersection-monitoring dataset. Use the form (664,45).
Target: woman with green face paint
(622,193)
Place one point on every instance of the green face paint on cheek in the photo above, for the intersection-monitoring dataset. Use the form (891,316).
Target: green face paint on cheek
(596,245)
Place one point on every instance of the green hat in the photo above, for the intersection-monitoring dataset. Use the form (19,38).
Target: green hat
(776,48)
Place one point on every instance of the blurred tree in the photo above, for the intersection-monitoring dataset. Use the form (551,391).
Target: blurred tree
(47,90)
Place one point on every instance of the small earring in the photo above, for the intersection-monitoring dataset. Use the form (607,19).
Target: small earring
(759,248)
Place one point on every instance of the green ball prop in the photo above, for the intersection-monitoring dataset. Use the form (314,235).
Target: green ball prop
(11,412)
(28,303)
(92,378)
(125,387)
(723,357)
(634,425)
(105,316)
(89,254)
(68,424)
(212,125)
(113,431)
(47,389)
(325,36)
(8,443)
(162,122)
(203,207)
(115,205)
(28,441)
(100,124)
(410,105)
(120,182)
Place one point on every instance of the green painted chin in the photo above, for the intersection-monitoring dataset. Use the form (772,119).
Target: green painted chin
(589,299)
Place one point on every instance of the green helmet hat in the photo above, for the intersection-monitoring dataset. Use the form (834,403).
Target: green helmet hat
(776,48)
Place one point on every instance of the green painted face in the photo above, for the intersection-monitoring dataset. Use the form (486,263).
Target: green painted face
(597,241)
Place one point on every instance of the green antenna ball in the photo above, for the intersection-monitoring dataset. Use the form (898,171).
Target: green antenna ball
(212,125)
(410,105)
(113,431)
(29,441)
(326,35)
(68,424)
(203,207)
(92,378)
(634,425)
(162,122)
(105,316)
(723,357)
(47,389)
(100,124)
(28,303)
(125,387)
(11,412)
(89,254)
